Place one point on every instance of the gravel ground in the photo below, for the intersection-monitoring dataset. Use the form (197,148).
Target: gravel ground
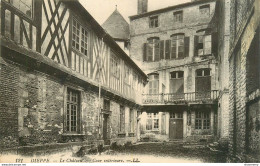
(170,152)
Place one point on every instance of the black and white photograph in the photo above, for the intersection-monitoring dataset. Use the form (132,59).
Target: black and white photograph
(129,81)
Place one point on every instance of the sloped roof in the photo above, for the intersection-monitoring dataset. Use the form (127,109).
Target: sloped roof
(116,26)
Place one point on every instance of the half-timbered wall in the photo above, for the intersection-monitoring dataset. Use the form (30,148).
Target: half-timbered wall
(21,24)
(55,31)
(69,40)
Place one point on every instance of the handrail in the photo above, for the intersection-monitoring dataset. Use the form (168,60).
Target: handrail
(180,97)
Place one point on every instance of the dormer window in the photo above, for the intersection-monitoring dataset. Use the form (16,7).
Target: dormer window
(178,16)
(154,22)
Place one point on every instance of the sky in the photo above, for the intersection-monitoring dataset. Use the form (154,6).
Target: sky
(102,9)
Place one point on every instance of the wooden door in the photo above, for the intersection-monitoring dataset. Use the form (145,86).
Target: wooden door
(105,125)
(176,126)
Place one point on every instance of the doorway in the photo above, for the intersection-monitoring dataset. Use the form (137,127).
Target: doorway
(176,125)
(105,129)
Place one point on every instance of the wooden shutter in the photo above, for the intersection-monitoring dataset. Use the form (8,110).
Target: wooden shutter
(196,39)
(167,49)
(162,49)
(186,46)
(157,51)
(144,52)
(173,46)
(214,44)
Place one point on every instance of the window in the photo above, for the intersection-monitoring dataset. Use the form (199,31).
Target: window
(205,10)
(152,122)
(203,72)
(153,83)
(178,16)
(24,6)
(72,114)
(177,46)
(176,115)
(131,121)
(202,120)
(84,41)
(203,84)
(153,49)
(127,74)
(135,81)
(176,85)
(122,119)
(79,38)
(177,74)
(153,22)
(106,105)
(114,65)
(203,43)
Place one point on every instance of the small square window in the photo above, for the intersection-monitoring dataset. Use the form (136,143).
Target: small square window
(154,22)
(205,10)
(178,16)
(177,74)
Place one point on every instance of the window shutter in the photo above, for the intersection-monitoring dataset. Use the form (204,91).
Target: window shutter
(156,86)
(186,46)
(162,49)
(157,51)
(167,49)
(145,52)
(214,42)
(173,47)
(196,39)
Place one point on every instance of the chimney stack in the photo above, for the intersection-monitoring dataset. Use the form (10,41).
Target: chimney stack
(142,6)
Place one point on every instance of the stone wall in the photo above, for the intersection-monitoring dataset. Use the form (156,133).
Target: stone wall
(193,20)
(9,104)
(245,15)
(32,110)
(223,14)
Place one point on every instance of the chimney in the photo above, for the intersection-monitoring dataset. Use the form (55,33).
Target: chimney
(142,6)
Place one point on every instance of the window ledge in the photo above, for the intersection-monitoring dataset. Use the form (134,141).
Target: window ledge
(132,134)
(121,134)
(72,134)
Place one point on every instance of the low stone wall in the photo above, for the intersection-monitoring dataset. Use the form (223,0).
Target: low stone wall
(54,148)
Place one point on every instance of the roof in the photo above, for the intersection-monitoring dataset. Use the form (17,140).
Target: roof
(198,2)
(117,26)
(100,32)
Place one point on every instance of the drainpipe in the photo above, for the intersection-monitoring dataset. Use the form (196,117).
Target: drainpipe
(99,88)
